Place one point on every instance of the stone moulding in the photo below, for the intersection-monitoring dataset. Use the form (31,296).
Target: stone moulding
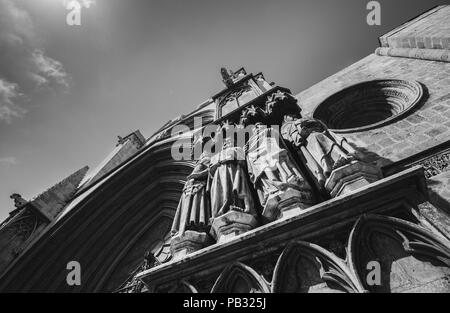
(351,176)
(188,242)
(434,161)
(440,55)
(369,105)
(232,224)
(324,218)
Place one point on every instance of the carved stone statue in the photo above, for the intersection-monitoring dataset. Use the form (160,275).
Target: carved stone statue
(278,180)
(19,202)
(232,206)
(324,150)
(194,209)
(229,186)
(227,76)
(190,227)
(327,153)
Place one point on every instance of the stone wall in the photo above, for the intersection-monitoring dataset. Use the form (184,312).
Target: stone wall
(409,52)
(424,128)
(428,31)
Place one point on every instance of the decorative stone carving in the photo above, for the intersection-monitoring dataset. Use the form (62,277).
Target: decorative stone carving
(350,177)
(279,182)
(411,258)
(336,165)
(240,278)
(190,226)
(188,242)
(436,164)
(230,192)
(231,224)
(19,202)
(227,77)
(194,208)
(307,268)
(133,285)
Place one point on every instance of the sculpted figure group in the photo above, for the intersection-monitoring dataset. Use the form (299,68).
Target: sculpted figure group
(237,187)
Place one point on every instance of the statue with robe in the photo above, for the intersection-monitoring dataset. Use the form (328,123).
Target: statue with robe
(194,208)
(229,184)
(278,180)
(323,150)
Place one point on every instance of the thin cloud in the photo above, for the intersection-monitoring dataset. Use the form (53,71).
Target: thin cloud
(24,66)
(8,161)
(8,95)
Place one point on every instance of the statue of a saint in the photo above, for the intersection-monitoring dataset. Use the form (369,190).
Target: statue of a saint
(194,209)
(279,182)
(323,150)
(229,187)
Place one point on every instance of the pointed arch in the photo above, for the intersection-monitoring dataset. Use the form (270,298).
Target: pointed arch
(411,258)
(308,268)
(240,278)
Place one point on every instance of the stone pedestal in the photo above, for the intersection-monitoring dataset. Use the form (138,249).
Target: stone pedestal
(190,241)
(231,224)
(279,205)
(350,177)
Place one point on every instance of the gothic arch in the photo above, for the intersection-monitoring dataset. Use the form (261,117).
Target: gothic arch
(308,268)
(104,223)
(410,257)
(240,278)
(145,240)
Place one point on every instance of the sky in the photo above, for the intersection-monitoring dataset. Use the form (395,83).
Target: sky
(67,92)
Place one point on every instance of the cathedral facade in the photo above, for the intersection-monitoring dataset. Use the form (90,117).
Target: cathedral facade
(344,187)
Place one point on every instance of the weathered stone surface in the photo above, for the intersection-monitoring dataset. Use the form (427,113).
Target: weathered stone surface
(231,224)
(414,137)
(429,30)
(351,177)
(188,242)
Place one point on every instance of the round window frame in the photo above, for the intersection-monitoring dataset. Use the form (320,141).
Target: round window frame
(417,93)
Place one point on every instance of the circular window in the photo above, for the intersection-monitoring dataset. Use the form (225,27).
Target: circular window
(368,105)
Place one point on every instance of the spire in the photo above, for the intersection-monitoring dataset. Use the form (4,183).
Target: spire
(51,202)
